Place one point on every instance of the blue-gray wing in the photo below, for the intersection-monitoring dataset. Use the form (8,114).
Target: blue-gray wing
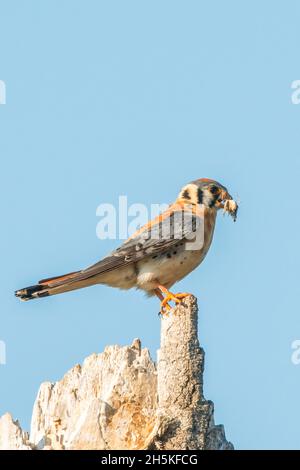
(154,238)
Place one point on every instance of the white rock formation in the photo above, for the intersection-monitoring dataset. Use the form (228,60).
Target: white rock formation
(11,435)
(119,399)
(109,402)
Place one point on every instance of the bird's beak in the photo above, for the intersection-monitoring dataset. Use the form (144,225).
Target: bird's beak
(223,197)
(226,196)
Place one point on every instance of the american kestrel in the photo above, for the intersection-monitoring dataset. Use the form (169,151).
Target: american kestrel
(159,254)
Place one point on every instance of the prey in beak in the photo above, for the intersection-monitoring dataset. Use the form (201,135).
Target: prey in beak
(231,208)
(228,205)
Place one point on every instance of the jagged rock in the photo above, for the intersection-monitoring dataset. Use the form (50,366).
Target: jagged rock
(108,403)
(11,435)
(119,399)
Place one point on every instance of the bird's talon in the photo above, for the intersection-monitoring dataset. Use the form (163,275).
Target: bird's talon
(177,298)
(165,307)
(181,296)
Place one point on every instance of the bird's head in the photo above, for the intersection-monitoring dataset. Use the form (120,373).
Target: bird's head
(211,194)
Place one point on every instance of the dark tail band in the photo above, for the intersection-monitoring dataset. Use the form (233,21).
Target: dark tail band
(32,292)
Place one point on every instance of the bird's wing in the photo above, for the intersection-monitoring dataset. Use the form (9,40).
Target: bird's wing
(155,237)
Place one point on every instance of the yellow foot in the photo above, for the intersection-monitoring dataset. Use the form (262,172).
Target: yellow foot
(181,295)
(177,298)
(165,308)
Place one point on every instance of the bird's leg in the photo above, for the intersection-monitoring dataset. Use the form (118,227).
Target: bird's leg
(177,298)
(163,310)
(159,294)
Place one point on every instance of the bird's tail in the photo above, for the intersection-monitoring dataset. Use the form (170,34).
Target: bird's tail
(51,286)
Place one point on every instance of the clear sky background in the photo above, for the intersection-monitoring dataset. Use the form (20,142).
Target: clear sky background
(138,98)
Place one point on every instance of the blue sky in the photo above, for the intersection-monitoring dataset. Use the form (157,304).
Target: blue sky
(138,98)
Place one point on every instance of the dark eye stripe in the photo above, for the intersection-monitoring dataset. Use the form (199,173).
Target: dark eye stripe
(213,201)
(200,196)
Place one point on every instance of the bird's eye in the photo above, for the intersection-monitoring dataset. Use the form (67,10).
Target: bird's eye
(214,189)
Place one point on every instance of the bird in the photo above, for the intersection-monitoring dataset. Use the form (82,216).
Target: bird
(157,255)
